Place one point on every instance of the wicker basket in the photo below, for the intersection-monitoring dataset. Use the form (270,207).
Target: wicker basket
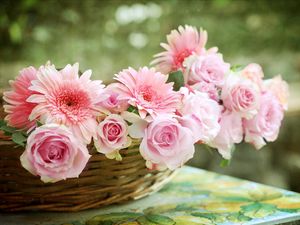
(103,182)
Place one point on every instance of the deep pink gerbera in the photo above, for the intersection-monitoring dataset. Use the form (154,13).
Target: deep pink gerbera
(18,109)
(181,44)
(147,90)
(65,98)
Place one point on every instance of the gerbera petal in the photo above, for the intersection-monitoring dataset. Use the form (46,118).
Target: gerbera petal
(37,112)
(66,99)
(147,90)
(48,76)
(35,98)
(85,133)
(181,43)
(86,76)
(70,72)
(17,107)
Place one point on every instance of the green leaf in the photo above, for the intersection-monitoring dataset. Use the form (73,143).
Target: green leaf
(159,219)
(236,199)
(209,216)
(185,207)
(177,78)
(289,210)
(111,218)
(236,68)
(38,123)
(160,209)
(2,123)
(7,129)
(143,220)
(19,138)
(225,162)
(133,109)
(238,217)
(214,217)
(258,210)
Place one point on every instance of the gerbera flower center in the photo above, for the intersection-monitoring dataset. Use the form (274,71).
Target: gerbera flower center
(73,103)
(179,58)
(147,93)
(72,99)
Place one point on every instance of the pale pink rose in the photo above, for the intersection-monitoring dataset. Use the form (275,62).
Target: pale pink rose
(113,102)
(266,124)
(279,88)
(17,108)
(64,97)
(112,135)
(148,90)
(200,114)
(241,95)
(254,72)
(54,153)
(231,133)
(181,44)
(210,68)
(209,88)
(166,143)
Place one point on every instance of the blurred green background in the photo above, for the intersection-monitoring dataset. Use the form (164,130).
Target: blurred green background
(108,36)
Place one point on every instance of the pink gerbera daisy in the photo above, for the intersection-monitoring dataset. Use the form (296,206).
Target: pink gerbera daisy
(65,98)
(18,108)
(181,44)
(147,90)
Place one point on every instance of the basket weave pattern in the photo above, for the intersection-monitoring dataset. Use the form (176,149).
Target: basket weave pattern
(103,182)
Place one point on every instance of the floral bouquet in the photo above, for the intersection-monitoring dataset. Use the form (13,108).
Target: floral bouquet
(192,97)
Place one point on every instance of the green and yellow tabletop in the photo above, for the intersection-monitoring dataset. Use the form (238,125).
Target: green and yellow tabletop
(193,197)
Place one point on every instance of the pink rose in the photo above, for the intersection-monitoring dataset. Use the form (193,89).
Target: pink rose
(253,72)
(279,88)
(231,133)
(209,68)
(208,88)
(266,124)
(112,135)
(241,95)
(53,153)
(166,143)
(200,114)
(113,102)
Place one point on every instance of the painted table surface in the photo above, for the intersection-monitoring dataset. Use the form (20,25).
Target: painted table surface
(194,196)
